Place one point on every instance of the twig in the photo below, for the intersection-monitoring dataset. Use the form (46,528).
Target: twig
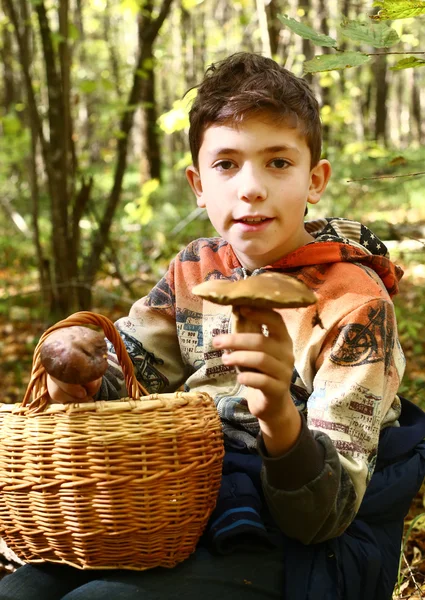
(418,588)
(39,289)
(386,53)
(387,177)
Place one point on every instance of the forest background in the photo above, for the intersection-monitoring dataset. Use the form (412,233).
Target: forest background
(93,147)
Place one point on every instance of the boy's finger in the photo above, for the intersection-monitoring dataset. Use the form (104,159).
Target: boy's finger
(256,362)
(65,392)
(272,321)
(93,386)
(280,348)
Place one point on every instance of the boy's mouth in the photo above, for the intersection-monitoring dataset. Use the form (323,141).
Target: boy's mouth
(252,220)
(253,223)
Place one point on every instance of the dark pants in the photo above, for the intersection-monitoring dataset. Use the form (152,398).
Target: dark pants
(202,577)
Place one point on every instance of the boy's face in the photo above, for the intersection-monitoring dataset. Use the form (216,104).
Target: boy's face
(255,180)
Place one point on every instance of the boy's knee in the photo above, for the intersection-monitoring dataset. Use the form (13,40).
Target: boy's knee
(106,590)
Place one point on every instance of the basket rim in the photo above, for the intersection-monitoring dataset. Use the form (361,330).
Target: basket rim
(120,405)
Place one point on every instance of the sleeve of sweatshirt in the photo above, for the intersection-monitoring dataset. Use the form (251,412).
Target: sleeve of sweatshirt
(314,491)
(150,336)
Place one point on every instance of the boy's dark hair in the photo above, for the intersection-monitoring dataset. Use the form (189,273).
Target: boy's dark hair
(246,84)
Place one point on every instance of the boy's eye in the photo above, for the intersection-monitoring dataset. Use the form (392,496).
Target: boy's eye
(279,163)
(224,165)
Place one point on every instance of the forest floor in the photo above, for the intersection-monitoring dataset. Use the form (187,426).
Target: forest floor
(21,326)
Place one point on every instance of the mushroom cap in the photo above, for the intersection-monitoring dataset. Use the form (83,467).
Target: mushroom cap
(267,290)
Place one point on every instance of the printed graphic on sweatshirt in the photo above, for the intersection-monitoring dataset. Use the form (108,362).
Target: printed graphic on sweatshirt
(351,420)
(191,253)
(191,336)
(298,392)
(161,295)
(144,362)
(365,343)
(314,276)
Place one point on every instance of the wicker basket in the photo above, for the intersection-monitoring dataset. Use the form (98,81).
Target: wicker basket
(124,484)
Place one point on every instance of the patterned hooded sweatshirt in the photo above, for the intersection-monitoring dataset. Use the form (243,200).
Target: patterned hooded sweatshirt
(348,366)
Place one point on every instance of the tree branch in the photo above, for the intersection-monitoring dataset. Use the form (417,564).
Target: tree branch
(147,35)
(387,177)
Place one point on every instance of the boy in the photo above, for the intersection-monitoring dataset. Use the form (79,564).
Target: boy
(311,404)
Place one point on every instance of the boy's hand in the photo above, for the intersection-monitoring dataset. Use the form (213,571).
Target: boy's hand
(270,363)
(63,393)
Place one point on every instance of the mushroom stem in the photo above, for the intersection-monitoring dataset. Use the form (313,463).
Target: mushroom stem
(240,324)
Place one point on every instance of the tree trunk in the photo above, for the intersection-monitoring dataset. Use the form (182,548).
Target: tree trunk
(263,26)
(151,145)
(9,95)
(272,11)
(149,30)
(416,108)
(307,47)
(325,90)
(380,71)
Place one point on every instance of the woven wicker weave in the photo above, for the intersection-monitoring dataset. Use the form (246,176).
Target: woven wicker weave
(109,484)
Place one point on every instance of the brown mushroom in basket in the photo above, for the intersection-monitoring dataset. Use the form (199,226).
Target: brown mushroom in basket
(75,354)
(267,290)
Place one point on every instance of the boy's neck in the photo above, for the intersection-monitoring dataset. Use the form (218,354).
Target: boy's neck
(251,263)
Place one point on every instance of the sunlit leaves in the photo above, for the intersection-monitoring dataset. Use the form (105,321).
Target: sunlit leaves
(87,87)
(177,118)
(330,62)
(140,211)
(399,9)
(132,6)
(307,32)
(189,4)
(408,63)
(378,35)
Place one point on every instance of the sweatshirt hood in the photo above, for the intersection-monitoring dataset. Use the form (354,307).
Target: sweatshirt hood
(340,240)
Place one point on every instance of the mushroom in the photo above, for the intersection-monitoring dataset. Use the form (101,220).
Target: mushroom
(267,290)
(75,354)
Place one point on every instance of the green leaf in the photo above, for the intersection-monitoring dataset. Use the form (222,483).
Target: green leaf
(307,32)
(87,87)
(398,9)
(133,6)
(189,4)
(177,118)
(378,35)
(11,124)
(73,32)
(408,63)
(330,62)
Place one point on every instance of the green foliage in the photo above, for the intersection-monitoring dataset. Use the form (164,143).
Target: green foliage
(407,63)
(399,9)
(378,35)
(177,119)
(190,4)
(329,62)
(140,210)
(307,32)
(373,33)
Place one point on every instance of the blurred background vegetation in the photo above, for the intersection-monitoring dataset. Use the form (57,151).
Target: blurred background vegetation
(93,143)
(93,146)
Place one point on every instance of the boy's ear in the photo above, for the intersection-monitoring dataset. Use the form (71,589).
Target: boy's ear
(195,183)
(319,177)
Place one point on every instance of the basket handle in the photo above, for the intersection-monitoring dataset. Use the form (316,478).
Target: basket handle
(38,382)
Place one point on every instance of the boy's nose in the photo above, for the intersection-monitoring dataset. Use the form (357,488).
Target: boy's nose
(251,187)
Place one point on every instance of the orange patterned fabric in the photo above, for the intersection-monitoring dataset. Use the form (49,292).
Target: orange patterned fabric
(348,364)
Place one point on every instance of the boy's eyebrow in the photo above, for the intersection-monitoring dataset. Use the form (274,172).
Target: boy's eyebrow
(268,150)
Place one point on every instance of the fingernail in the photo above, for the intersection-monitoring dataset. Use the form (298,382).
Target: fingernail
(81,394)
